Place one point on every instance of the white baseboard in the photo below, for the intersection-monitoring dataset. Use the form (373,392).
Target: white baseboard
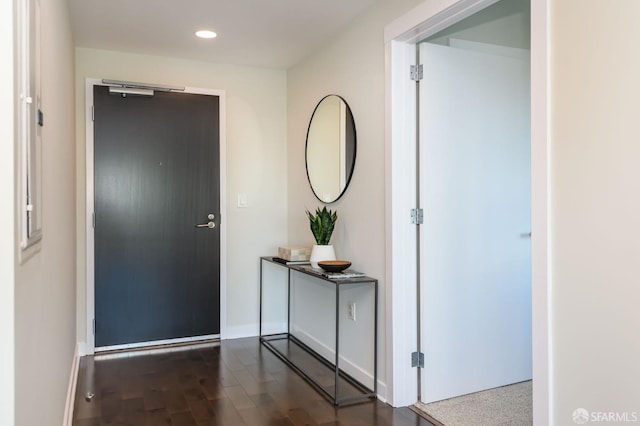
(82,349)
(240,332)
(274,327)
(351,368)
(71,389)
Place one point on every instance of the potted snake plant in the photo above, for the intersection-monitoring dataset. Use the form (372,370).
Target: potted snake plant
(322,224)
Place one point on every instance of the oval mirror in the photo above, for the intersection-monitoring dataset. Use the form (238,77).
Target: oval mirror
(330,153)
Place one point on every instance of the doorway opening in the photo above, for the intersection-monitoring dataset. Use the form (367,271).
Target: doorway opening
(474,187)
(441,23)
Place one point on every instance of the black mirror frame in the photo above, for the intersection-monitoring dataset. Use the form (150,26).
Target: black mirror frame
(351,165)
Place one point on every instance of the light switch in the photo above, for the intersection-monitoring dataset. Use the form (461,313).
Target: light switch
(242,200)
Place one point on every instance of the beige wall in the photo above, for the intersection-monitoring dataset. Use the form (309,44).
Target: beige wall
(45,283)
(7,181)
(256,164)
(595,206)
(352,65)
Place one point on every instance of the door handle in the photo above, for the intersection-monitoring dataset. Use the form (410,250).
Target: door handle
(210,224)
(525,235)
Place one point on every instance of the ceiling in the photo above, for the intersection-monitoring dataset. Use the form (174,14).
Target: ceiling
(262,33)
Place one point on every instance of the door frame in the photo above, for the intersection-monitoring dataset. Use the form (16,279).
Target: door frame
(90,235)
(401,37)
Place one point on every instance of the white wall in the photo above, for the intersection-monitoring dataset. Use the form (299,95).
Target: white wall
(352,66)
(256,164)
(7,224)
(595,206)
(45,283)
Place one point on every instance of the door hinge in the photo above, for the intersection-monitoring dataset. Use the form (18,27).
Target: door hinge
(417,359)
(93,220)
(415,72)
(93,113)
(94,326)
(417,216)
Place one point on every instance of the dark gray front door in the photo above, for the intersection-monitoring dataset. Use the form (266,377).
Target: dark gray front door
(156,177)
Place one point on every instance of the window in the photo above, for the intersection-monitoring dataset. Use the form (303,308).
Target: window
(30,122)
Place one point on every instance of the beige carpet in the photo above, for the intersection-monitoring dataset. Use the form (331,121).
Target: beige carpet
(503,406)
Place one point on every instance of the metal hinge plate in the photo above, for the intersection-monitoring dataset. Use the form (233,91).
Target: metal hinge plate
(417,216)
(415,72)
(417,359)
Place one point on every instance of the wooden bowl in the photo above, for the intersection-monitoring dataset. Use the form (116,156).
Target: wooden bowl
(334,265)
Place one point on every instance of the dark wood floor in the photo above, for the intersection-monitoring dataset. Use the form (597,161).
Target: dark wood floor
(238,382)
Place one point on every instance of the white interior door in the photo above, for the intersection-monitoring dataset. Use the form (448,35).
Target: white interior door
(475,245)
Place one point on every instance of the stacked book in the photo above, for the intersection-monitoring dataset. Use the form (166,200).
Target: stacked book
(290,262)
(347,273)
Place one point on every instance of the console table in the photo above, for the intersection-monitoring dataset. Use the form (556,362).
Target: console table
(335,395)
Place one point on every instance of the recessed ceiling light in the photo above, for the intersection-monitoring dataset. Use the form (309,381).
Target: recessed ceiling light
(206,34)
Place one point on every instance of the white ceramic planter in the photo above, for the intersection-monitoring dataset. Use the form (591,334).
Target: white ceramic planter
(319,253)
